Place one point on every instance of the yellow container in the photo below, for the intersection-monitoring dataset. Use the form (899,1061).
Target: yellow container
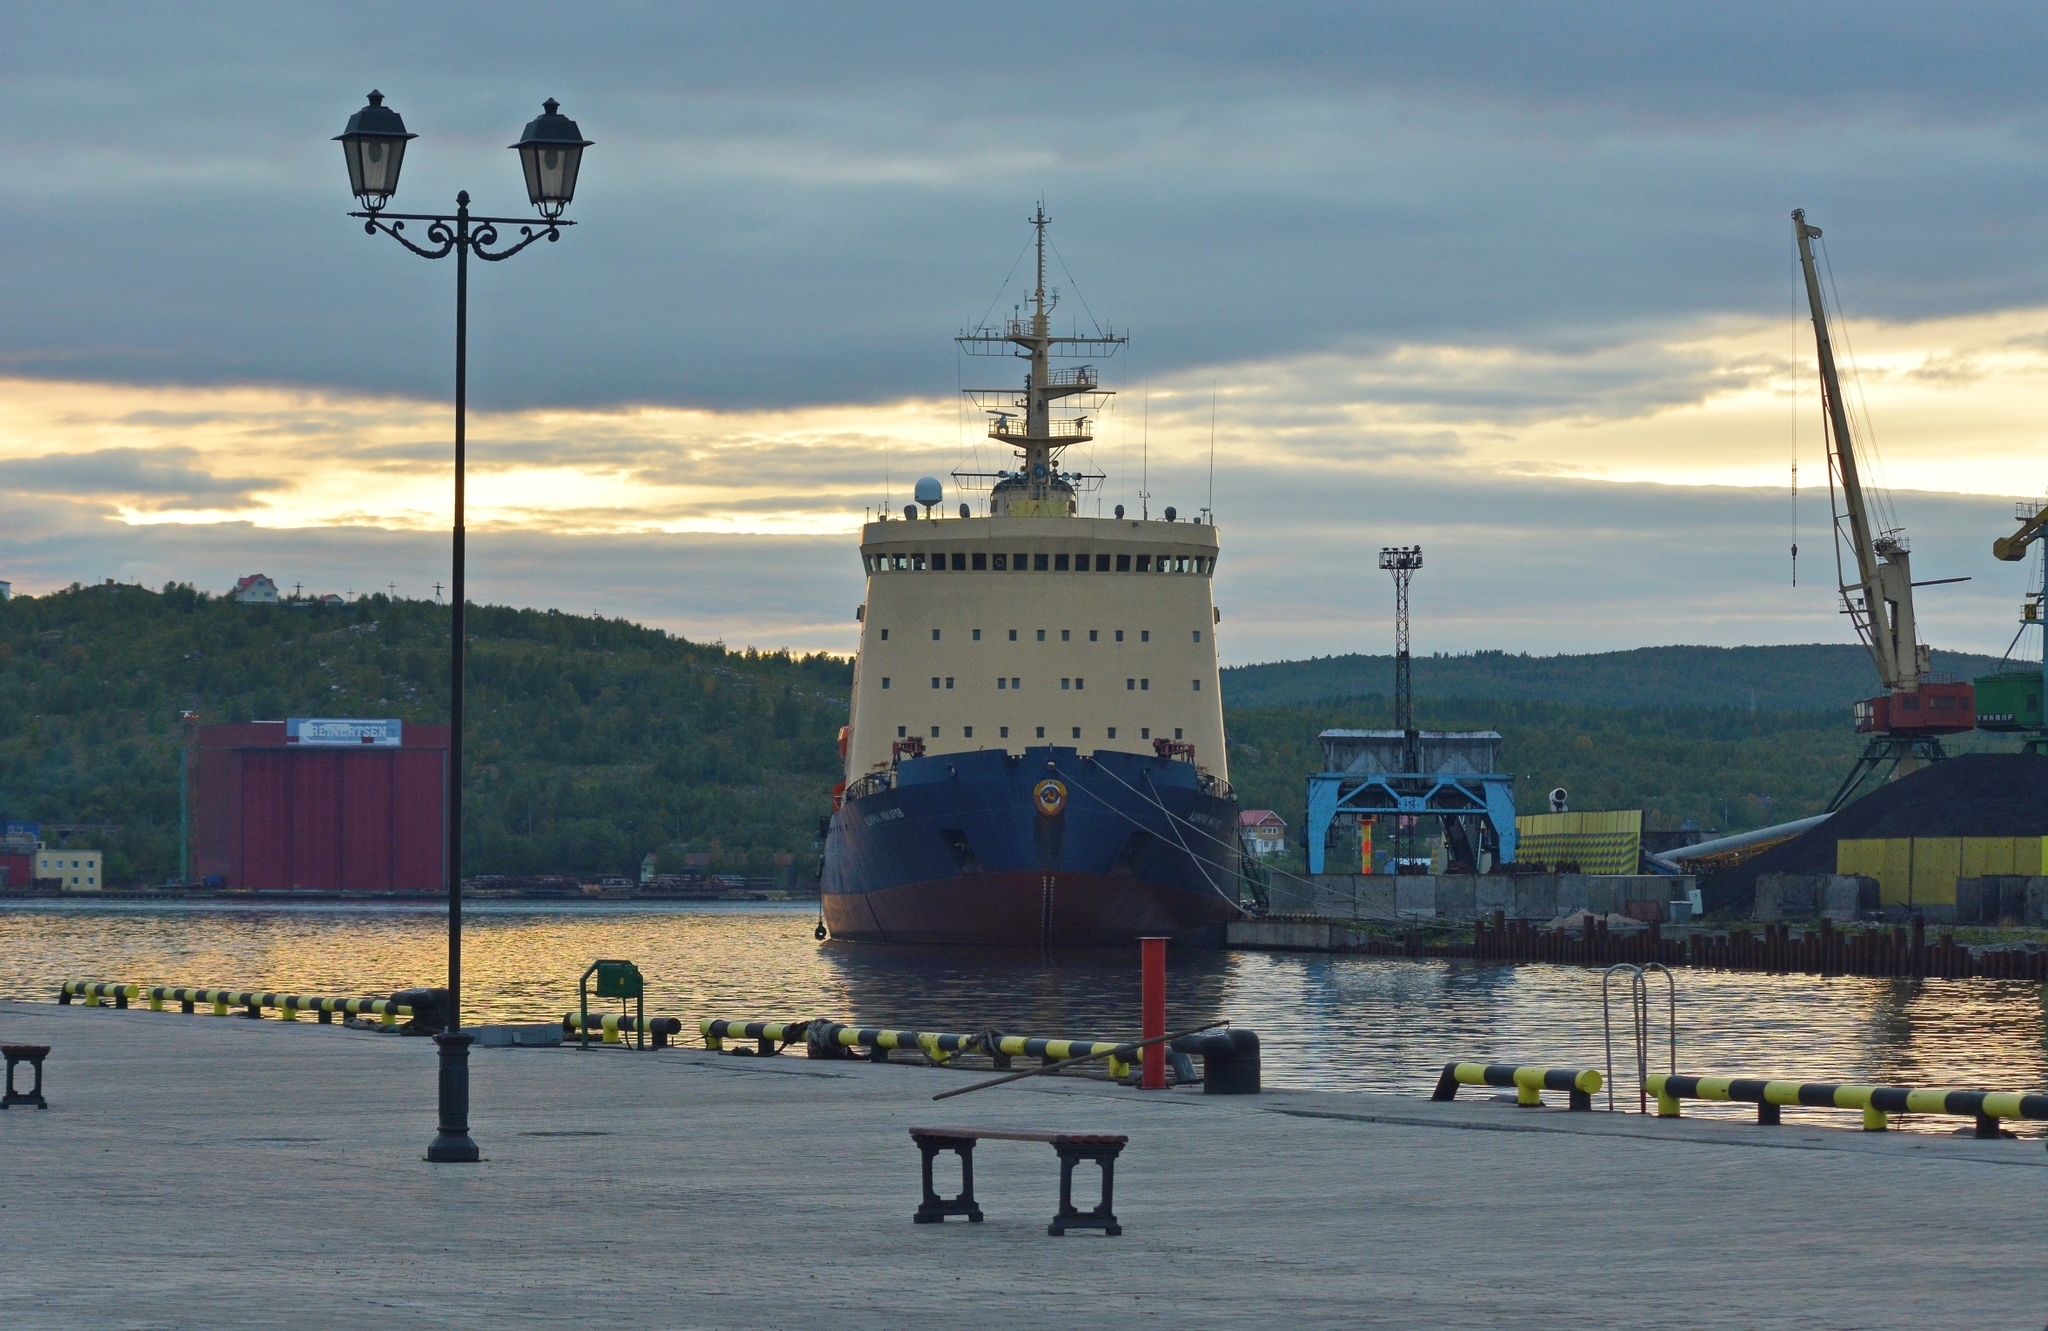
(1608,841)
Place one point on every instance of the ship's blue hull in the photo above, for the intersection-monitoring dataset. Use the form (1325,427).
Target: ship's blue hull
(1046,848)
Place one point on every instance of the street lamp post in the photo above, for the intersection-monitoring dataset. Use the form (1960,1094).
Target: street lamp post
(550,154)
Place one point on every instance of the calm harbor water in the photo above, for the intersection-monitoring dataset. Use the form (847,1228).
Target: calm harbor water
(1330,1022)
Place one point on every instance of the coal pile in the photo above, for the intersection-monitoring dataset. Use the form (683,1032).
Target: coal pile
(1977,794)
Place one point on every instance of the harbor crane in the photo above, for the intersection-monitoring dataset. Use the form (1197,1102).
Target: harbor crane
(1905,722)
(2010,698)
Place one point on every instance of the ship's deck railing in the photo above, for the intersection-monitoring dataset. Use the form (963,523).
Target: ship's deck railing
(1010,429)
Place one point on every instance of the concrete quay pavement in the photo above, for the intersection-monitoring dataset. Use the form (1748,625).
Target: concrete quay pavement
(219,1172)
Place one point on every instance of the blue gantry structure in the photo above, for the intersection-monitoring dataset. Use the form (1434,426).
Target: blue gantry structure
(1433,773)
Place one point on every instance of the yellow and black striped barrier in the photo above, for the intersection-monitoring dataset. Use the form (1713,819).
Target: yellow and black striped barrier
(1528,1083)
(614,1027)
(768,1036)
(829,1039)
(1008,1047)
(1876,1103)
(250,1002)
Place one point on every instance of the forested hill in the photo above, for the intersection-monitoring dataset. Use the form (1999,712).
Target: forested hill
(591,741)
(1812,677)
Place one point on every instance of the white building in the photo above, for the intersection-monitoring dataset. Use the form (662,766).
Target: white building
(256,589)
(1264,830)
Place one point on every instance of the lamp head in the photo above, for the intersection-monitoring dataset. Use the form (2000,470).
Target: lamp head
(550,152)
(373,145)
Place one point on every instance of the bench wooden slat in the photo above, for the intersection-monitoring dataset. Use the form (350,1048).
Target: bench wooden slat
(1026,1135)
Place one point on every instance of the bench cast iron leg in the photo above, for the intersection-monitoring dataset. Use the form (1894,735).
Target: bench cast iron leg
(934,1209)
(1103,1217)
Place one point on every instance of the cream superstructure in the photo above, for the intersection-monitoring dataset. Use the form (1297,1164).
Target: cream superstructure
(980,654)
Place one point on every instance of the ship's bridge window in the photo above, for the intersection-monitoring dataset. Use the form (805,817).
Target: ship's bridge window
(898,561)
(1039,563)
(1123,563)
(959,561)
(916,563)
(981,562)
(1002,563)
(1102,563)
(1059,563)
(1144,563)
(1081,563)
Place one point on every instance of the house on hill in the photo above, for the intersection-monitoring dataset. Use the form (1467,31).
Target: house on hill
(333,599)
(256,589)
(1265,830)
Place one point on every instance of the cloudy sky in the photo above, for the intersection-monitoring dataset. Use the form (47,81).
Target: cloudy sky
(1514,282)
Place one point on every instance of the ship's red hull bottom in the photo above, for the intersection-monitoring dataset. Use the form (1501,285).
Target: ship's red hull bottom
(1027,909)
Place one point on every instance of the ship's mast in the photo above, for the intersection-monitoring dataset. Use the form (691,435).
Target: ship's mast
(1042,434)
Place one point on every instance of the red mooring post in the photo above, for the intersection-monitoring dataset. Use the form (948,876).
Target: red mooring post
(1152,1023)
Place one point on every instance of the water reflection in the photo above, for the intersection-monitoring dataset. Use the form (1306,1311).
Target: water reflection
(1337,1022)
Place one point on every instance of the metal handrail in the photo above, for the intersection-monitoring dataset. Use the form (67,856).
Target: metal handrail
(1639,1011)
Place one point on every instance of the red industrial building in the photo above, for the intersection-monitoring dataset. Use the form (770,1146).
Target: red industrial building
(321,805)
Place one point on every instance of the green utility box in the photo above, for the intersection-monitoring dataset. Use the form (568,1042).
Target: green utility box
(2009,702)
(619,979)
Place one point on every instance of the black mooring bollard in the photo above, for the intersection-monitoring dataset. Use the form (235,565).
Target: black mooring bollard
(1230,1061)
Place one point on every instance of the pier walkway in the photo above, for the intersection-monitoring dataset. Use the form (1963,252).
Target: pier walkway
(215,1172)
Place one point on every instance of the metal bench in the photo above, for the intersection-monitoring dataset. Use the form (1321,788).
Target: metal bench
(1072,1148)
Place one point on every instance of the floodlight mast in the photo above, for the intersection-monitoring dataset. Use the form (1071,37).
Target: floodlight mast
(1402,561)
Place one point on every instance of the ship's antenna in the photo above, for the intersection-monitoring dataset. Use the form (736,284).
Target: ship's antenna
(1209,510)
(1039,222)
(1145,457)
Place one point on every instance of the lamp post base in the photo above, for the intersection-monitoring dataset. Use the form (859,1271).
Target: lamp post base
(454,1144)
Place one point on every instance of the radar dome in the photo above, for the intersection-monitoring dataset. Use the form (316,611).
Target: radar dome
(928,491)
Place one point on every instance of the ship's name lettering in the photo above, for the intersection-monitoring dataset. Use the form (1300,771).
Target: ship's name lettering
(884,816)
